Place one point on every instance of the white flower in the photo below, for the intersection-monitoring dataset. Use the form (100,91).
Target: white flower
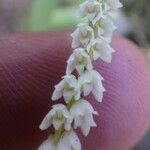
(48,144)
(79,60)
(111,4)
(105,28)
(82,112)
(90,41)
(90,9)
(68,88)
(57,116)
(91,81)
(82,35)
(69,141)
(99,48)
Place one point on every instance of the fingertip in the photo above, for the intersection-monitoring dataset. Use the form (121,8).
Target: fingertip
(124,112)
(32,64)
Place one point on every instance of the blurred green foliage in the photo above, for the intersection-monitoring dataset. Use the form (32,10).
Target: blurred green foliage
(40,14)
(55,14)
(52,14)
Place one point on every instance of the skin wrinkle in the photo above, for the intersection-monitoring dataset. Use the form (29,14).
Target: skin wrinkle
(31,64)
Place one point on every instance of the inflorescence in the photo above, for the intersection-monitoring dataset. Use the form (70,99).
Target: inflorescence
(91,41)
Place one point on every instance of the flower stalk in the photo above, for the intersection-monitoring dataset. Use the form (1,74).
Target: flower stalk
(90,41)
(58,134)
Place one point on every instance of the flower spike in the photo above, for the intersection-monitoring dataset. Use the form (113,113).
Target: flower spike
(90,41)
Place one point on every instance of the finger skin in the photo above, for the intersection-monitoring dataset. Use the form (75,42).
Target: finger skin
(30,66)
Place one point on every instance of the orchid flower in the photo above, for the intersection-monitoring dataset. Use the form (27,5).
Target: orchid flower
(90,41)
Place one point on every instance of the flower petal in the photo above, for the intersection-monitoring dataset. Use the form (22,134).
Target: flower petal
(47,145)
(69,141)
(75,142)
(70,64)
(82,35)
(68,95)
(57,94)
(82,112)
(46,123)
(75,36)
(98,88)
(57,123)
(88,122)
(107,54)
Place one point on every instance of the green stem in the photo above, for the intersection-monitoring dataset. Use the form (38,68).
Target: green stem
(69,105)
(60,131)
(58,134)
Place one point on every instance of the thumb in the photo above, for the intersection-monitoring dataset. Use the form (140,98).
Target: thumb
(30,66)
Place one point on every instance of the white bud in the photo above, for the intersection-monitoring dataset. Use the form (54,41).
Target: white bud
(68,88)
(90,9)
(91,81)
(79,60)
(82,112)
(105,28)
(82,36)
(57,116)
(99,48)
